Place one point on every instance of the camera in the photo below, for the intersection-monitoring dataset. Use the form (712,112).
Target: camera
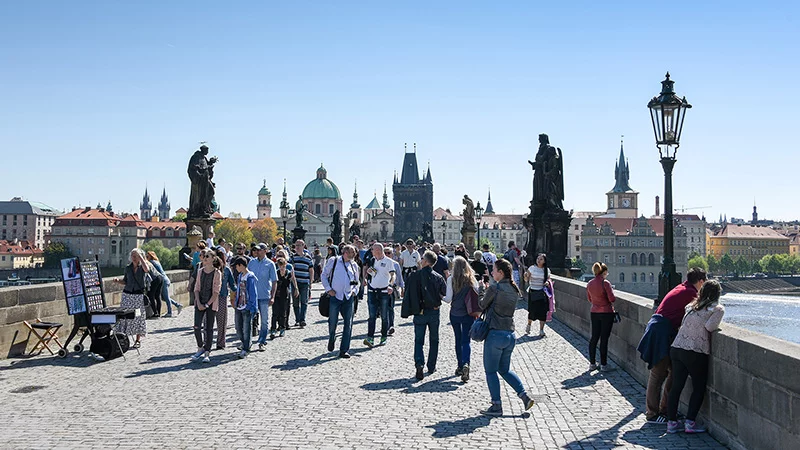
(353,282)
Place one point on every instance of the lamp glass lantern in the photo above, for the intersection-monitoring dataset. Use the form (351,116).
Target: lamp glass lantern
(667,112)
(478,211)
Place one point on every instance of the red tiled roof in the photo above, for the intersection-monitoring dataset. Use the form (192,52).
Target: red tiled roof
(88,216)
(489,221)
(622,226)
(164,225)
(131,221)
(23,248)
(687,217)
(440,213)
(749,232)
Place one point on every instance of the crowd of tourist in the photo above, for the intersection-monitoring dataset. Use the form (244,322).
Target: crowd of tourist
(482,292)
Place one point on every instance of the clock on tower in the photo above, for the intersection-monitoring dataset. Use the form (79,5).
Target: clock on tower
(626,203)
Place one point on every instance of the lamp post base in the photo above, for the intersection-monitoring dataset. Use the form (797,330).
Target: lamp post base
(667,279)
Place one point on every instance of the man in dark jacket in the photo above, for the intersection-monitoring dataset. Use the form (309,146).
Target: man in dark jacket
(423,297)
(657,339)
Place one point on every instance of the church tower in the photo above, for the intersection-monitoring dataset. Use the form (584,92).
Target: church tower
(623,201)
(413,199)
(163,207)
(145,207)
(264,207)
(489,208)
(355,208)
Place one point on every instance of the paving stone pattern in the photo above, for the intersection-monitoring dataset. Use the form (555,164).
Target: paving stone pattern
(297,395)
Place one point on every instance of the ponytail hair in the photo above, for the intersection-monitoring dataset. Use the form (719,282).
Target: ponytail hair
(504,266)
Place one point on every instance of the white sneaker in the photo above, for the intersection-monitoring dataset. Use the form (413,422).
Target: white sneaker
(206,359)
(541,333)
(592,367)
(197,355)
(528,329)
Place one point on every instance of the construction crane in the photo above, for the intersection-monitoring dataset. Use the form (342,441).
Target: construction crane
(682,209)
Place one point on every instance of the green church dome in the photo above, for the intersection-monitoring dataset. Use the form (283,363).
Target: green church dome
(321,187)
(264,190)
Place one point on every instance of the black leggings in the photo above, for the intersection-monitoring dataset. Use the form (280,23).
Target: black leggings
(204,318)
(601,330)
(685,363)
(155,295)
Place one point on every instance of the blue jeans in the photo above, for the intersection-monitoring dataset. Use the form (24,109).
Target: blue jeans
(428,320)
(461,326)
(300,304)
(244,327)
(263,310)
(345,308)
(165,296)
(375,300)
(497,351)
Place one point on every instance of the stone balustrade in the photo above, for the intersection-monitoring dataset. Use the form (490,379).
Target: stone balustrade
(753,397)
(47,302)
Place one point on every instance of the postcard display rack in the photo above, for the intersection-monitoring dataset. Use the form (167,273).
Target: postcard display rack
(83,288)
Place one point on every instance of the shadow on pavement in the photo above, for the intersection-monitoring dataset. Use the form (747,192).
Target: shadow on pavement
(583,380)
(72,360)
(188,329)
(529,338)
(162,358)
(608,438)
(216,360)
(300,363)
(408,387)
(467,425)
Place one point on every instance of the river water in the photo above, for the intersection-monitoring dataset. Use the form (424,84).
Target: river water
(774,315)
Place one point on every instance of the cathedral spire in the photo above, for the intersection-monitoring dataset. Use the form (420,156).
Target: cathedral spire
(489,209)
(385,198)
(355,204)
(621,172)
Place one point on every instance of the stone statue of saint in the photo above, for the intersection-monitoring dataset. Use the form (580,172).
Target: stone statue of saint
(469,213)
(427,232)
(299,208)
(201,196)
(336,233)
(548,176)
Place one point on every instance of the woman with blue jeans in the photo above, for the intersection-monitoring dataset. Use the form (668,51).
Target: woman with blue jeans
(151,256)
(500,302)
(458,286)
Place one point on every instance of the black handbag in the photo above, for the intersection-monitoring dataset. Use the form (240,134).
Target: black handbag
(324,298)
(617,317)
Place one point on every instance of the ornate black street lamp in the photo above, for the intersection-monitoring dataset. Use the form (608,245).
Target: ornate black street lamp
(667,113)
(284,215)
(478,215)
(444,228)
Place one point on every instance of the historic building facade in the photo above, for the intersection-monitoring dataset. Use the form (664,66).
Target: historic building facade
(623,201)
(18,254)
(446,226)
(26,221)
(752,242)
(632,249)
(413,200)
(264,206)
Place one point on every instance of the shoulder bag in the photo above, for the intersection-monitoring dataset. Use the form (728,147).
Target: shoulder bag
(480,328)
(324,298)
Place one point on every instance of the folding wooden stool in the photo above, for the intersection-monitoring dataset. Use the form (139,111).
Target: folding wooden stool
(45,332)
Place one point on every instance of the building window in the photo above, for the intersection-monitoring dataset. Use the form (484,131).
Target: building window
(641,277)
(634,259)
(621,277)
(318,209)
(577,238)
(633,277)
(651,260)
(606,258)
(652,277)
(642,259)
(621,259)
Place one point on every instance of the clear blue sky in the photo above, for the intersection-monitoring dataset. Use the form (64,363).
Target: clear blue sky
(102,98)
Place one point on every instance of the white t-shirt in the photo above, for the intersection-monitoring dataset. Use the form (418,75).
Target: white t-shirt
(384,268)
(489,258)
(409,259)
(536,281)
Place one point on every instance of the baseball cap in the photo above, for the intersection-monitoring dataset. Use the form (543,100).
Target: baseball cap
(262,246)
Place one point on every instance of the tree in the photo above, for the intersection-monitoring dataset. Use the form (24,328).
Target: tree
(727,264)
(580,264)
(713,264)
(167,257)
(487,242)
(233,231)
(265,230)
(54,252)
(756,267)
(742,266)
(179,217)
(782,262)
(771,264)
(794,264)
(699,262)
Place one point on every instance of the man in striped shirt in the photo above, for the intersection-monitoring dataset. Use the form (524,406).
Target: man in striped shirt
(304,273)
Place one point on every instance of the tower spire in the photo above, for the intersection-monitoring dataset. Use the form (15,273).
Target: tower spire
(385,198)
(622,171)
(489,208)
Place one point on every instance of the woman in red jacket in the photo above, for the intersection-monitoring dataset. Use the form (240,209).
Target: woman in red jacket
(601,296)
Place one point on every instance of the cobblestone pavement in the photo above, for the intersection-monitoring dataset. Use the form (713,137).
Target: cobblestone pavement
(297,395)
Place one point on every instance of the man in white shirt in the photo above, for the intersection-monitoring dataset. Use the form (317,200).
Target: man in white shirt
(409,259)
(489,258)
(379,290)
(340,280)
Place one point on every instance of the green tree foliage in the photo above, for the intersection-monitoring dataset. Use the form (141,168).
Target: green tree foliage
(234,230)
(742,266)
(487,242)
(54,252)
(698,262)
(580,264)
(265,230)
(166,256)
(179,217)
(713,264)
(727,264)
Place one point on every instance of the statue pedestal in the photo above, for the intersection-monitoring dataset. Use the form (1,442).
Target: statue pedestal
(468,238)
(298,233)
(192,238)
(548,234)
